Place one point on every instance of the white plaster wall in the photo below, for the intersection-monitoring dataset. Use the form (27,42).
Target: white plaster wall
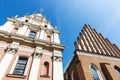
(42,34)
(56,38)
(57,71)
(34,69)
(6,26)
(27,32)
(4,64)
(38,34)
(14,65)
(22,30)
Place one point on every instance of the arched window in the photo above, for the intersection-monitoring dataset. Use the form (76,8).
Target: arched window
(117,70)
(95,73)
(48,38)
(46,68)
(14,30)
(73,76)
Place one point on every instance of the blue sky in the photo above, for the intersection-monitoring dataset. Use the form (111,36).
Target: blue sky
(69,16)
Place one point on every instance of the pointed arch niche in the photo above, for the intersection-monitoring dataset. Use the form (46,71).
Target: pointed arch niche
(95,72)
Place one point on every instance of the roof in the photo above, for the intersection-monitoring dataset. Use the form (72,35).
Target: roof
(91,41)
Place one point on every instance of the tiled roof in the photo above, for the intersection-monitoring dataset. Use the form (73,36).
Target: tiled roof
(91,41)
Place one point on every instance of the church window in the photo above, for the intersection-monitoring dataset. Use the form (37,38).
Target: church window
(20,66)
(32,34)
(26,20)
(95,72)
(46,68)
(14,30)
(73,76)
(117,70)
(46,26)
(48,38)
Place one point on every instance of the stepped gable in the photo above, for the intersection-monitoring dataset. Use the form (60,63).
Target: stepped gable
(91,41)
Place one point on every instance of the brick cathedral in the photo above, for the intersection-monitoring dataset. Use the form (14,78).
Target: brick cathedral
(95,58)
(30,49)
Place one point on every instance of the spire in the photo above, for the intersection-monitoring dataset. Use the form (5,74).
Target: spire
(41,11)
(91,41)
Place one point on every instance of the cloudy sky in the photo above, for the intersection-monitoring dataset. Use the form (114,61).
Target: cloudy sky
(69,16)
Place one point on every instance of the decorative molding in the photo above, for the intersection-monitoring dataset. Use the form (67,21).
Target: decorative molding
(97,55)
(26,49)
(37,55)
(16,76)
(45,76)
(4,45)
(11,50)
(49,32)
(57,58)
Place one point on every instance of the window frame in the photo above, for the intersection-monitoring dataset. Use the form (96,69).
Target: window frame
(117,70)
(32,34)
(96,70)
(18,68)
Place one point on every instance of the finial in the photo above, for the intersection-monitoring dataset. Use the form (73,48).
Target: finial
(16,16)
(41,11)
(26,14)
(34,12)
(49,21)
(55,27)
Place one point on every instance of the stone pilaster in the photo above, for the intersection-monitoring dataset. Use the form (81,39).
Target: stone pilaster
(35,65)
(6,60)
(42,34)
(57,63)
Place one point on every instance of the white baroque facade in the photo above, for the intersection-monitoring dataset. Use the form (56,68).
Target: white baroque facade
(30,49)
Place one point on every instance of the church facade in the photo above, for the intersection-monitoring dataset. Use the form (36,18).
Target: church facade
(30,49)
(95,58)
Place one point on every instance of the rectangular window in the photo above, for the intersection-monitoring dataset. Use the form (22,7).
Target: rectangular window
(32,34)
(20,66)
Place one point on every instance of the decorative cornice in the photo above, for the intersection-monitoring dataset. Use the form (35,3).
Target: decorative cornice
(96,55)
(33,26)
(21,38)
(16,76)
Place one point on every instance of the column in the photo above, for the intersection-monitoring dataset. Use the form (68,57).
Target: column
(35,65)
(6,61)
(56,37)
(42,34)
(22,30)
(57,65)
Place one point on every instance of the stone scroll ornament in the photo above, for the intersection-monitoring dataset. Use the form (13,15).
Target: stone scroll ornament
(11,50)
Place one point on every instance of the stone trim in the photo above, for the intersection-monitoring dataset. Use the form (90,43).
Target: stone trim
(16,76)
(57,58)
(97,55)
(25,39)
(37,55)
(31,25)
(11,50)
(45,76)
